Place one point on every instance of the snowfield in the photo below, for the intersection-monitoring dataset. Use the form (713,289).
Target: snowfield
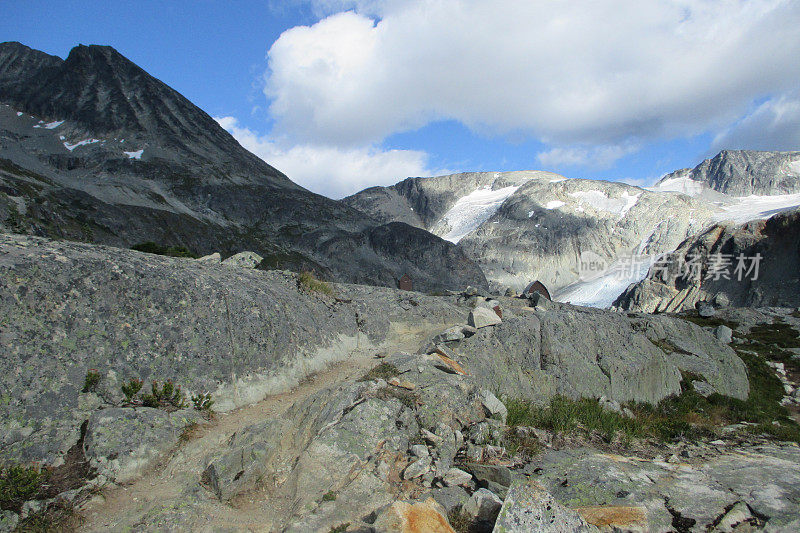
(71,147)
(135,155)
(470,211)
(682,184)
(598,201)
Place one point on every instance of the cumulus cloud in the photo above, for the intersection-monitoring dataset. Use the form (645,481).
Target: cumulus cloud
(567,73)
(328,170)
(774,125)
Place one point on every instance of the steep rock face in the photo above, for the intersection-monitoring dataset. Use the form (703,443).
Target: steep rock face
(93,148)
(704,267)
(746,172)
(521,226)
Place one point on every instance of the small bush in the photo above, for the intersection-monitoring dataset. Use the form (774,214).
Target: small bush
(307,281)
(131,389)
(329,496)
(202,402)
(167,396)
(382,371)
(19,484)
(91,381)
(341,528)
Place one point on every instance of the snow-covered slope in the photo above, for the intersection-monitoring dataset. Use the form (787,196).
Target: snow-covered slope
(470,211)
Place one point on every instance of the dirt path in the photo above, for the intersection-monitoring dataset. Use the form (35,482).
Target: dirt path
(163,487)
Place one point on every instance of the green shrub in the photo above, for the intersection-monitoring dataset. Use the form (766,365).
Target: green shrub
(307,281)
(341,528)
(91,381)
(131,389)
(19,484)
(202,402)
(167,396)
(329,496)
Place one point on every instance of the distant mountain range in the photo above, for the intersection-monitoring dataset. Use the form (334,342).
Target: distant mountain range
(522,226)
(93,148)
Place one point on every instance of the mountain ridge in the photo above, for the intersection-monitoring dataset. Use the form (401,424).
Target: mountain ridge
(98,150)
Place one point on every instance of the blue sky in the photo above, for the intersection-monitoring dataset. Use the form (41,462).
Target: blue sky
(344,94)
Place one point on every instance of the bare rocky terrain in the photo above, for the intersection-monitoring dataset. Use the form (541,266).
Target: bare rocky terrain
(378,408)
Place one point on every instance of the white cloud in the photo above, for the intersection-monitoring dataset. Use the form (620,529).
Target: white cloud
(334,172)
(774,125)
(567,73)
(597,157)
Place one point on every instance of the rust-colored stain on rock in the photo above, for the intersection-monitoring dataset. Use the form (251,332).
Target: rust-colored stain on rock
(613,515)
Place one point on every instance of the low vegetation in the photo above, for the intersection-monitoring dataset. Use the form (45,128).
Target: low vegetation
(19,484)
(306,281)
(166,396)
(151,247)
(385,371)
(91,381)
(693,316)
(687,415)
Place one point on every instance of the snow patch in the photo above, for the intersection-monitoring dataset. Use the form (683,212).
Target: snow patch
(558,180)
(794,167)
(554,204)
(53,125)
(600,202)
(135,155)
(682,184)
(19,113)
(602,290)
(745,208)
(71,147)
(472,210)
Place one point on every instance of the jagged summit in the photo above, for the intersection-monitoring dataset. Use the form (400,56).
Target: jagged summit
(745,172)
(100,90)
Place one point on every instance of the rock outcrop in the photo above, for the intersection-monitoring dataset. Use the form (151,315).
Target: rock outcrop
(753,264)
(746,172)
(238,333)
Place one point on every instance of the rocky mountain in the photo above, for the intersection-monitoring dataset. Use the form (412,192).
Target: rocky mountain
(522,226)
(743,173)
(752,264)
(93,148)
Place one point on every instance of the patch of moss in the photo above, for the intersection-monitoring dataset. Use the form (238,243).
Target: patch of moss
(693,316)
(307,281)
(384,371)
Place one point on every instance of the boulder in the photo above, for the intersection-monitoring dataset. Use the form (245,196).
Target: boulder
(737,514)
(244,260)
(413,517)
(211,258)
(122,442)
(724,333)
(481,317)
(457,477)
(482,507)
(529,507)
(494,407)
